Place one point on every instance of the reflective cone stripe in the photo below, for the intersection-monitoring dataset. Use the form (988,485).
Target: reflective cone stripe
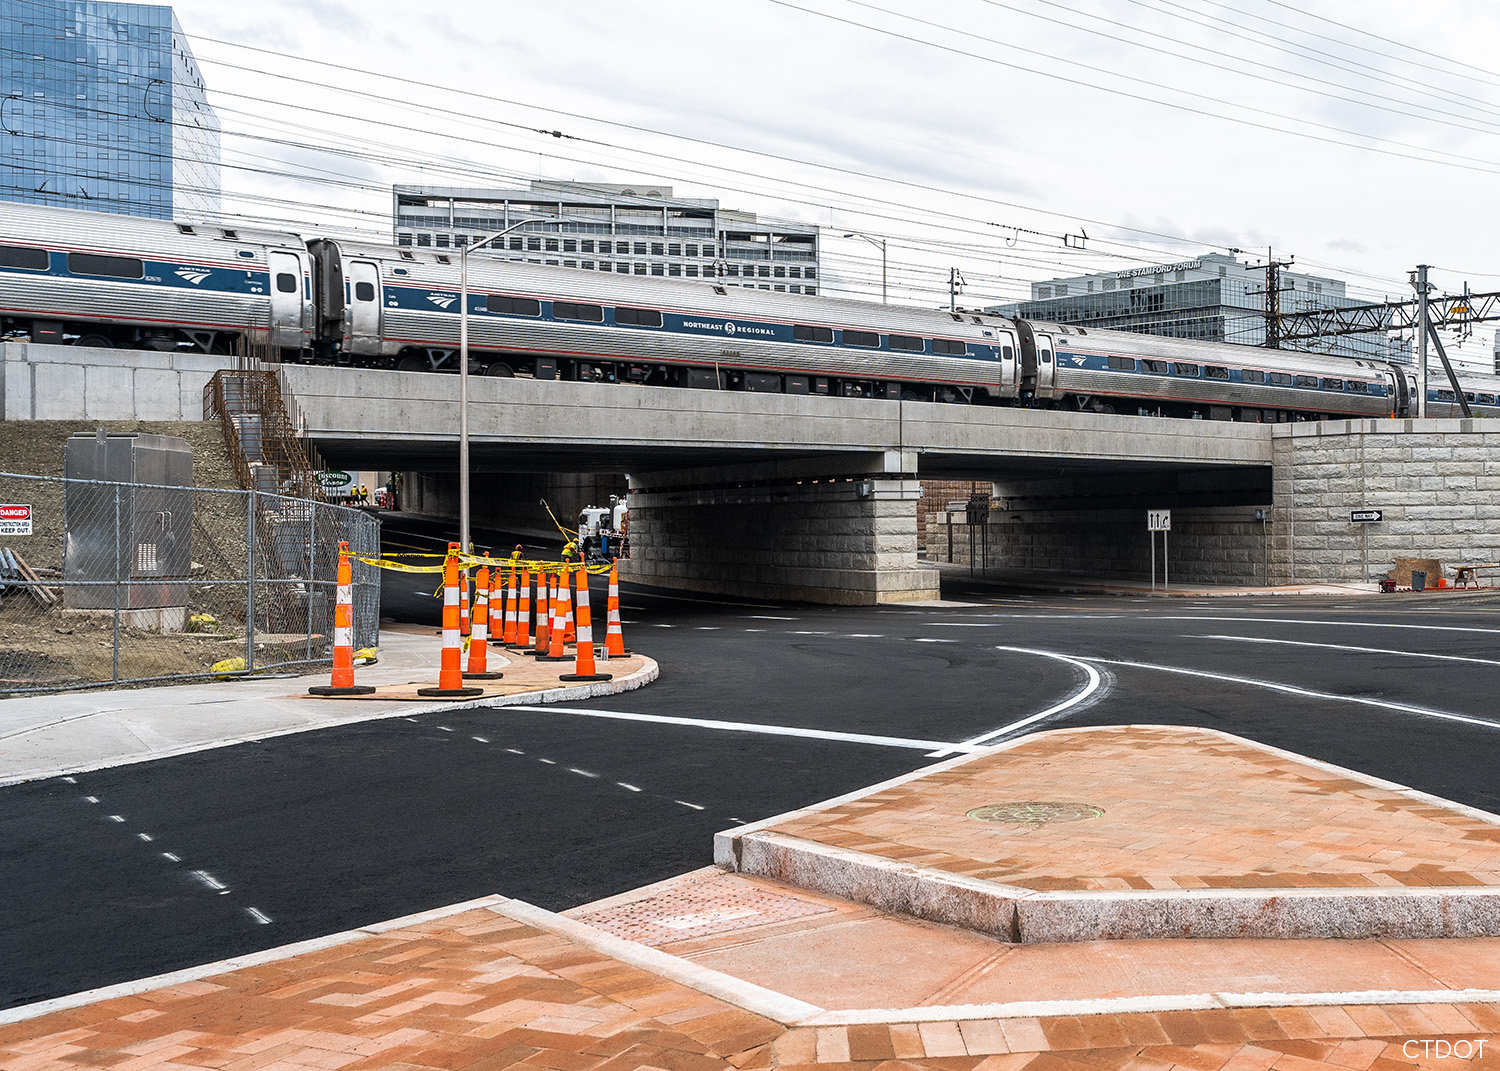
(511,609)
(450,670)
(523,618)
(614,638)
(343,623)
(480,634)
(584,662)
(543,610)
(560,611)
(570,633)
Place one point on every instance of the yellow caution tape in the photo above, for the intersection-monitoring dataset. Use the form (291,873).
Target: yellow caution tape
(469,562)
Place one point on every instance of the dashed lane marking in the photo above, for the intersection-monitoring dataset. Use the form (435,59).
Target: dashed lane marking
(258,915)
(928,639)
(92,799)
(694,806)
(1094,682)
(481,739)
(212,882)
(581,773)
(549,762)
(630,787)
(117,818)
(169,857)
(771,617)
(750,727)
(145,836)
(1359,650)
(515,751)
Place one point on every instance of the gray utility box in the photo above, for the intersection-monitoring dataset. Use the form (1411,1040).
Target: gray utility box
(129,542)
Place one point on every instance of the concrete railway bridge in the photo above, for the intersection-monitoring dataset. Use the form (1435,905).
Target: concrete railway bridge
(805,497)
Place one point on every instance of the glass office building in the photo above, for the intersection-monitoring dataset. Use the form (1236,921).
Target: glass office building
(105,110)
(1213,297)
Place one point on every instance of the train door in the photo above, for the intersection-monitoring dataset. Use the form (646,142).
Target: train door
(364,308)
(1400,394)
(1026,369)
(1046,367)
(1010,375)
(288,305)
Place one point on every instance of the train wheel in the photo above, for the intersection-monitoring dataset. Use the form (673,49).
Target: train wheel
(98,342)
(413,364)
(501,370)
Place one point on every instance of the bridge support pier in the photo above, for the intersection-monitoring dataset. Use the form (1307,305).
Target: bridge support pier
(838,529)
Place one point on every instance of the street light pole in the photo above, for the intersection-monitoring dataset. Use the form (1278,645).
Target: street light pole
(880,244)
(463,374)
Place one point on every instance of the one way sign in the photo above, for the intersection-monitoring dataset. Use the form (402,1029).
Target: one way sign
(1366,516)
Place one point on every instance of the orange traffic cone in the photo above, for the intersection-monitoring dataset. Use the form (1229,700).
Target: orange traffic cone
(560,608)
(543,609)
(614,638)
(450,672)
(479,638)
(584,667)
(342,682)
(523,614)
(570,634)
(511,600)
(463,602)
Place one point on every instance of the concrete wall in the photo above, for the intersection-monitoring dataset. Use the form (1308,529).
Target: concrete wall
(1218,545)
(79,383)
(844,536)
(1436,481)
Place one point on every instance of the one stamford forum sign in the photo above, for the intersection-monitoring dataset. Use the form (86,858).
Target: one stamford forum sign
(15,520)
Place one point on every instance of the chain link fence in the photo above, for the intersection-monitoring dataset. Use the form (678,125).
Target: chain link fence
(123,583)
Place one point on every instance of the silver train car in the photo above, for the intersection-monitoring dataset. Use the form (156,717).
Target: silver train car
(81,277)
(106,280)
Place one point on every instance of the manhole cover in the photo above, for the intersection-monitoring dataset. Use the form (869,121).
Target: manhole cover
(1036,813)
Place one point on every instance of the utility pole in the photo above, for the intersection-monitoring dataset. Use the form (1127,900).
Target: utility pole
(1273,296)
(1420,283)
(955,281)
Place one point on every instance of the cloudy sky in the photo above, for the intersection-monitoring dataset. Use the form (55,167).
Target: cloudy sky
(1359,136)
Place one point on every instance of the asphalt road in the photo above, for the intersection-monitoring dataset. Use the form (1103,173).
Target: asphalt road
(262,844)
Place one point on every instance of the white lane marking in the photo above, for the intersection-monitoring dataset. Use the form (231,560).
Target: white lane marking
(515,751)
(866,636)
(169,857)
(212,882)
(71,780)
(1337,624)
(445,728)
(770,617)
(1095,681)
(412,720)
(258,915)
(1288,689)
(751,727)
(1361,650)
(658,624)
(706,628)
(926,639)
(145,836)
(755,630)
(117,818)
(92,799)
(685,803)
(549,762)
(481,739)
(632,788)
(581,773)
(807,632)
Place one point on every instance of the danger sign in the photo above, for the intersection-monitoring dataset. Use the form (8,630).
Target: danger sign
(15,520)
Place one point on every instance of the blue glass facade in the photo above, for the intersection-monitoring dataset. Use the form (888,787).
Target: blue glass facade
(104,109)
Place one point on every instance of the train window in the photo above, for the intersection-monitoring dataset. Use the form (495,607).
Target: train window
(1307,381)
(364,291)
(1444,396)
(1159,367)
(808,333)
(1281,379)
(907,342)
(1184,369)
(1333,384)
(19,256)
(1007,353)
(512,306)
(442,258)
(638,317)
(97,264)
(1120,364)
(1485,399)
(861,338)
(1358,386)
(1252,375)
(572,310)
(1215,371)
(286,282)
(950,347)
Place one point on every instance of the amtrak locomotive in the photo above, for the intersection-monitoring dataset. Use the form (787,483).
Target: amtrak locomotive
(97,280)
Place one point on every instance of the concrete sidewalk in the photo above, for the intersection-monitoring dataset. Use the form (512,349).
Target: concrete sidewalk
(716,969)
(47,735)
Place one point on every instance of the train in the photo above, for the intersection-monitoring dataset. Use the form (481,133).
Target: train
(89,279)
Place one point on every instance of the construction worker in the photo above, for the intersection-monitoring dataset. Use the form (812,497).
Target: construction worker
(515,556)
(570,551)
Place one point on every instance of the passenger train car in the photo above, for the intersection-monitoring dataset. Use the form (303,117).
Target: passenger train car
(111,280)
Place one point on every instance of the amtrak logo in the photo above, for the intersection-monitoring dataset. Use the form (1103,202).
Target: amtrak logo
(729,327)
(1077,361)
(442,301)
(193,275)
